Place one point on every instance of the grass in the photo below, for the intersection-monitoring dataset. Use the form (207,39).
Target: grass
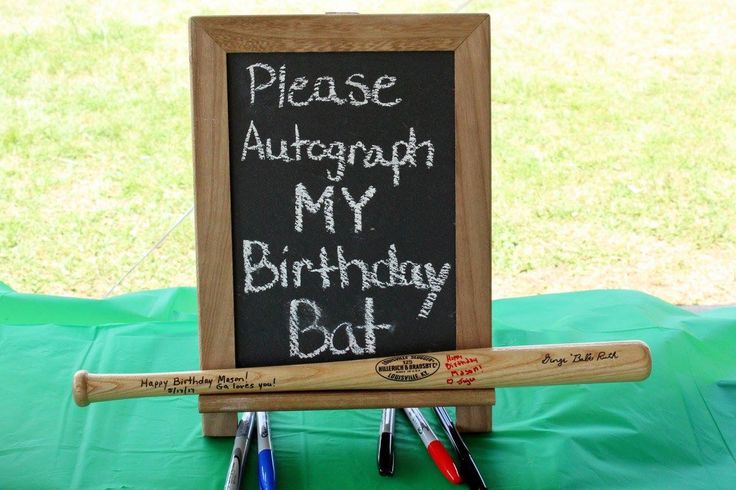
(614,148)
(95,152)
(614,144)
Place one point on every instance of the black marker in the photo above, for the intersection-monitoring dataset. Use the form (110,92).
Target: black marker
(386,443)
(468,469)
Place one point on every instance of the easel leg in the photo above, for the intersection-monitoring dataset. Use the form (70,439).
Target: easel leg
(219,424)
(474,419)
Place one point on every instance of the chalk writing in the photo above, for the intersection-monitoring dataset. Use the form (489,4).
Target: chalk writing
(305,316)
(357,207)
(303,199)
(404,153)
(324,88)
(319,129)
(262,274)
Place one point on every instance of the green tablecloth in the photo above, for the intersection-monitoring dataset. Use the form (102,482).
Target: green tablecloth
(675,430)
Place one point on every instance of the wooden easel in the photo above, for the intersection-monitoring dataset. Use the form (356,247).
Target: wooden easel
(212,38)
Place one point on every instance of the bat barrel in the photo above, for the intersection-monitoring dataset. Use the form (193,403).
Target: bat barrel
(596,362)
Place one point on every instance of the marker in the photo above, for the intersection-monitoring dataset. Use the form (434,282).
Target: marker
(240,451)
(439,454)
(386,443)
(266,471)
(468,468)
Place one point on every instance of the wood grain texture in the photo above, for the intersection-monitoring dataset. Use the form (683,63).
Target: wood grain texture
(452,371)
(472,205)
(212,211)
(319,400)
(315,33)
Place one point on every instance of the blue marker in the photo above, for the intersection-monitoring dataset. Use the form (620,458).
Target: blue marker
(266,471)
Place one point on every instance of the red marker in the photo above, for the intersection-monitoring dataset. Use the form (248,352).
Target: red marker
(439,454)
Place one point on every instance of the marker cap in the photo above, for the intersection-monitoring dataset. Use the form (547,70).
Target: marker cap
(386,454)
(444,461)
(267,475)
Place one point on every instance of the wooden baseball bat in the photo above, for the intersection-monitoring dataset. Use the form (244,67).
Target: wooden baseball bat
(473,368)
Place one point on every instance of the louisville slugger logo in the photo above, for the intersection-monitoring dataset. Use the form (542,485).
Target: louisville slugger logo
(407,368)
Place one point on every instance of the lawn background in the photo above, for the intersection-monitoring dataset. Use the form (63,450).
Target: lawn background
(614,143)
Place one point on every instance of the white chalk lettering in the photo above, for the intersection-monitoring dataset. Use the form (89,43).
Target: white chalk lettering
(436,281)
(325,89)
(324,268)
(380,84)
(262,86)
(305,316)
(331,94)
(404,153)
(364,90)
(251,268)
(263,271)
(258,146)
(297,85)
(343,265)
(283,151)
(339,157)
(277,266)
(302,199)
(296,270)
(357,207)
(282,84)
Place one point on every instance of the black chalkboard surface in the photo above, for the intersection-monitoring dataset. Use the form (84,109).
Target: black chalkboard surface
(342,181)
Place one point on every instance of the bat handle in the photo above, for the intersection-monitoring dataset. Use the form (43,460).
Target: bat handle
(79,388)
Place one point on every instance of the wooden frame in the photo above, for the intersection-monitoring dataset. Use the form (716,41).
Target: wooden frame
(211,38)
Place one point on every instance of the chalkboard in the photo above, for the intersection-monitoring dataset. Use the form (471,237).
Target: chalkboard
(382,170)
(342,181)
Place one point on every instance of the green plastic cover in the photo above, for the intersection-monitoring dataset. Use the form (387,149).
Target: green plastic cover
(677,429)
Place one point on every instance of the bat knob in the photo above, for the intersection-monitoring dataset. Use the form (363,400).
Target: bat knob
(79,388)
